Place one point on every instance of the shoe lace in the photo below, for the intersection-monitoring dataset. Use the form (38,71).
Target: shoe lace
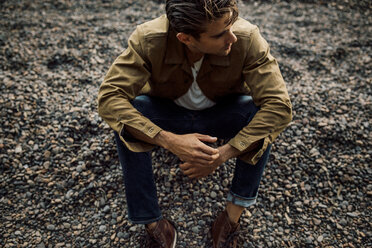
(230,239)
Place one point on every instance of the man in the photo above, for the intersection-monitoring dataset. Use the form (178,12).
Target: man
(186,78)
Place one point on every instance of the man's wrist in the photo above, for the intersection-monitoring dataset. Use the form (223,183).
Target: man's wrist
(229,152)
(162,139)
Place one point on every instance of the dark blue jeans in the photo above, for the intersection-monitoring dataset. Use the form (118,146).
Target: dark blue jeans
(224,120)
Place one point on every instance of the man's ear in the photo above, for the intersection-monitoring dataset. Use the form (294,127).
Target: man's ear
(184,38)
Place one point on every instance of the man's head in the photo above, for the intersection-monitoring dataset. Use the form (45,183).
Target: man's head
(192,16)
(204,26)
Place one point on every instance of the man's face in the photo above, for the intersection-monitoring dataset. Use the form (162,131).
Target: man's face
(217,39)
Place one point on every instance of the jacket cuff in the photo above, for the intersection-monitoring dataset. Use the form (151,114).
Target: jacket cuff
(136,145)
(249,154)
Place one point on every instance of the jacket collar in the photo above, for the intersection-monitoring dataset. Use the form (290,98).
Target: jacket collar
(175,51)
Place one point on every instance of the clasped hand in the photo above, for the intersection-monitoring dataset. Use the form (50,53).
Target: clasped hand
(199,160)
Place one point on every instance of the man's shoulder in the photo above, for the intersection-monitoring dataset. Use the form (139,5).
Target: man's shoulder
(156,27)
(243,27)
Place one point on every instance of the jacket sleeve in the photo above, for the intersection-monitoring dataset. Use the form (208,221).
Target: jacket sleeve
(262,75)
(123,82)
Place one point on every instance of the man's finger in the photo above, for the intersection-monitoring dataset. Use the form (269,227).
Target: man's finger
(203,162)
(208,150)
(215,156)
(185,166)
(193,176)
(188,166)
(207,138)
(200,156)
(187,172)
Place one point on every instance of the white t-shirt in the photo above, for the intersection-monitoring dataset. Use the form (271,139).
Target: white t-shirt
(194,98)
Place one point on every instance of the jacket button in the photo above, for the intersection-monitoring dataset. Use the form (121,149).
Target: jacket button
(242,143)
(151,130)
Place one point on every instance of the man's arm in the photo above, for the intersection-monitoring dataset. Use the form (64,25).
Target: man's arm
(268,90)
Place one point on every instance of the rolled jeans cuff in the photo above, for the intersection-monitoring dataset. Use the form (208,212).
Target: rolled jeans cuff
(240,200)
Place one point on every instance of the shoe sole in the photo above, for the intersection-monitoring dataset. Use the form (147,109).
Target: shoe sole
(175,240)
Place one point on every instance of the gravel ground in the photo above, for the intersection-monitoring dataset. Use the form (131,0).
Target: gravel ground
(61,185)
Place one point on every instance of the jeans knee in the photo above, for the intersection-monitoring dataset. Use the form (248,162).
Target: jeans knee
(245,105)
(141,103)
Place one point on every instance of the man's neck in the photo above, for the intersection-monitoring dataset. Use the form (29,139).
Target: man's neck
(193,56)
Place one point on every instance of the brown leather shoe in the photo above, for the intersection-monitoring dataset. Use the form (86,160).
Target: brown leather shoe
(224,232)
(164,235)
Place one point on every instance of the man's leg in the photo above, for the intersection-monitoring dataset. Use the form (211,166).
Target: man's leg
(139,183)
(140,187)
(245,184)
(137,168)
(234,113)
(243,193)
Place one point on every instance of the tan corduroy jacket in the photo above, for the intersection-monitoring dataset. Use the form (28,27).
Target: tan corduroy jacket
(155,64)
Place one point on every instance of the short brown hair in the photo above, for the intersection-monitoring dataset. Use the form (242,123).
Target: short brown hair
(191,16)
